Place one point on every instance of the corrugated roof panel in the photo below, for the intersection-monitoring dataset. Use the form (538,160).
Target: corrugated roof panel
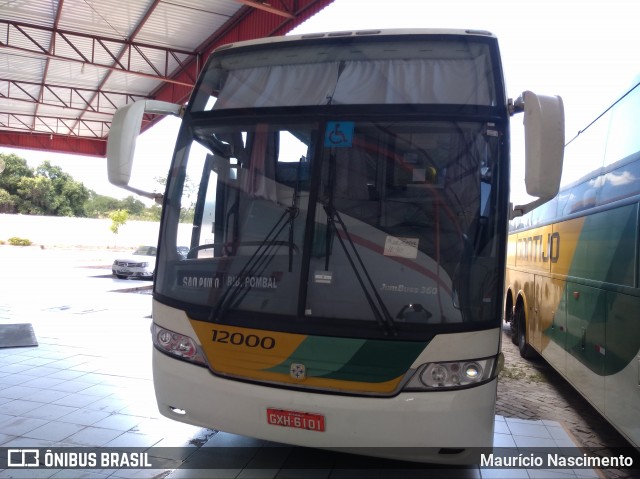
(50,125)
(121,81)
(17,107)
(91,115)
(86,47)
(73,101)
(185,25)
(29,11)
(113,18)
(53,111)
(64,73)
(21,67)
(26,37)
(91,129)
(149,61)
(70,96)
(24,92)
(17,120)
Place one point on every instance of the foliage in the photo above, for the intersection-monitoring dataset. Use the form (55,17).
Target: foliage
(15,241)
(118,219)
(7,204)
(48,190)
(99,206)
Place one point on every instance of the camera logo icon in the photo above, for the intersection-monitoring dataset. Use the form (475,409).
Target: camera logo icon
(23,457)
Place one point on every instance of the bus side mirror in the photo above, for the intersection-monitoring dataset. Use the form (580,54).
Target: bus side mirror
(544,147)
(121,145)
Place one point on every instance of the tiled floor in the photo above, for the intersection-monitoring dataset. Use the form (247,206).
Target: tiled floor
(88,384)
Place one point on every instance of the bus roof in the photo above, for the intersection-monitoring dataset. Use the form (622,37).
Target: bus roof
(395,33)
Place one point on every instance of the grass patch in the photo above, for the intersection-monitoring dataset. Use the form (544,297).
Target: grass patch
(15,241)
(521,374)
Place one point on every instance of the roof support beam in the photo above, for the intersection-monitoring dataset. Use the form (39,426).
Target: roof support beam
(50,142)
(17,32)
(52,47)
(97,129)
(131,38)
(267,8)
(71,98)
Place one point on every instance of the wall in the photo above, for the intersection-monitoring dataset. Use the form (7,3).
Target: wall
(67,232)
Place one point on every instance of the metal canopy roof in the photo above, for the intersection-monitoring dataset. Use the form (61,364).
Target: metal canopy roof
(67,65)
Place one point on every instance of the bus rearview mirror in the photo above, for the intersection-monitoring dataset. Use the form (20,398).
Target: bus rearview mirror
(121,145)
(544,147)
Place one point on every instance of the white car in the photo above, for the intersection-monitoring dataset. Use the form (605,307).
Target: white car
(140,264)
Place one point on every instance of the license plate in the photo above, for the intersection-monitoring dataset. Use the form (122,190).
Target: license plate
(295,419)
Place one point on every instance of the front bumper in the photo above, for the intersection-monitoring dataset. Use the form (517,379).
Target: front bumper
(422,426)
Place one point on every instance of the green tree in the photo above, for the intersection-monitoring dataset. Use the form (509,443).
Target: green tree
(15,168)
(69,196)
(47,190)
(134,206)
(7,204)
(99,206)
(118,218)
(36,196)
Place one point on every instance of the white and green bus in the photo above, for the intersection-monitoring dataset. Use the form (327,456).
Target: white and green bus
(348,198)
(572,285)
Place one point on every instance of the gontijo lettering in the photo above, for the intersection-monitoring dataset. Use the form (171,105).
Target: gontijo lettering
(535,248)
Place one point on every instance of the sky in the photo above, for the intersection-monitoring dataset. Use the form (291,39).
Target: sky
(585,51)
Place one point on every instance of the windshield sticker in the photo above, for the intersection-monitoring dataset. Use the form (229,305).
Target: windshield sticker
(323,277)
(401,247)
(339,134)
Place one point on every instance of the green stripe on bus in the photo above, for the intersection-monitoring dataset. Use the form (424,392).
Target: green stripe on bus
(353,359)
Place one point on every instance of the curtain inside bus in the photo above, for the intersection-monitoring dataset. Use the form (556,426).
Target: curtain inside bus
(395,81)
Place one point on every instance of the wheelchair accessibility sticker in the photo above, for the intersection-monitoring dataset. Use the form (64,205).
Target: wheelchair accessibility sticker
(339,134)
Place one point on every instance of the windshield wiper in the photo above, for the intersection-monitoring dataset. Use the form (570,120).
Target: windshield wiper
(380,311)
(257,263)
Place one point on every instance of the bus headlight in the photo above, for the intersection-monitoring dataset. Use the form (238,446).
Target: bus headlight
(453,374)
(177,345)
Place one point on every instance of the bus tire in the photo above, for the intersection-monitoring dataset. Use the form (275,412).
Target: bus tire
(526,351)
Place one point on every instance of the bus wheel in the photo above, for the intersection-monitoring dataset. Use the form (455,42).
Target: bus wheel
(526,351)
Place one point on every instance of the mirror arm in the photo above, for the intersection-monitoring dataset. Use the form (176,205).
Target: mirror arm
(521,210)
(517,106)
(156,197)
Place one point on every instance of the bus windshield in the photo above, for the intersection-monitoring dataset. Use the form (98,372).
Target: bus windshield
(394,220)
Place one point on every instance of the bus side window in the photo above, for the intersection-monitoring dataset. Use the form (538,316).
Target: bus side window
(624,140)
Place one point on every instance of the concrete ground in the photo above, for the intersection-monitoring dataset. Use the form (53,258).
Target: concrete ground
(88,383)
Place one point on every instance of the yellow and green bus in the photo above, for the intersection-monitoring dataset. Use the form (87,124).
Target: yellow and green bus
(346,202)
(572,280)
